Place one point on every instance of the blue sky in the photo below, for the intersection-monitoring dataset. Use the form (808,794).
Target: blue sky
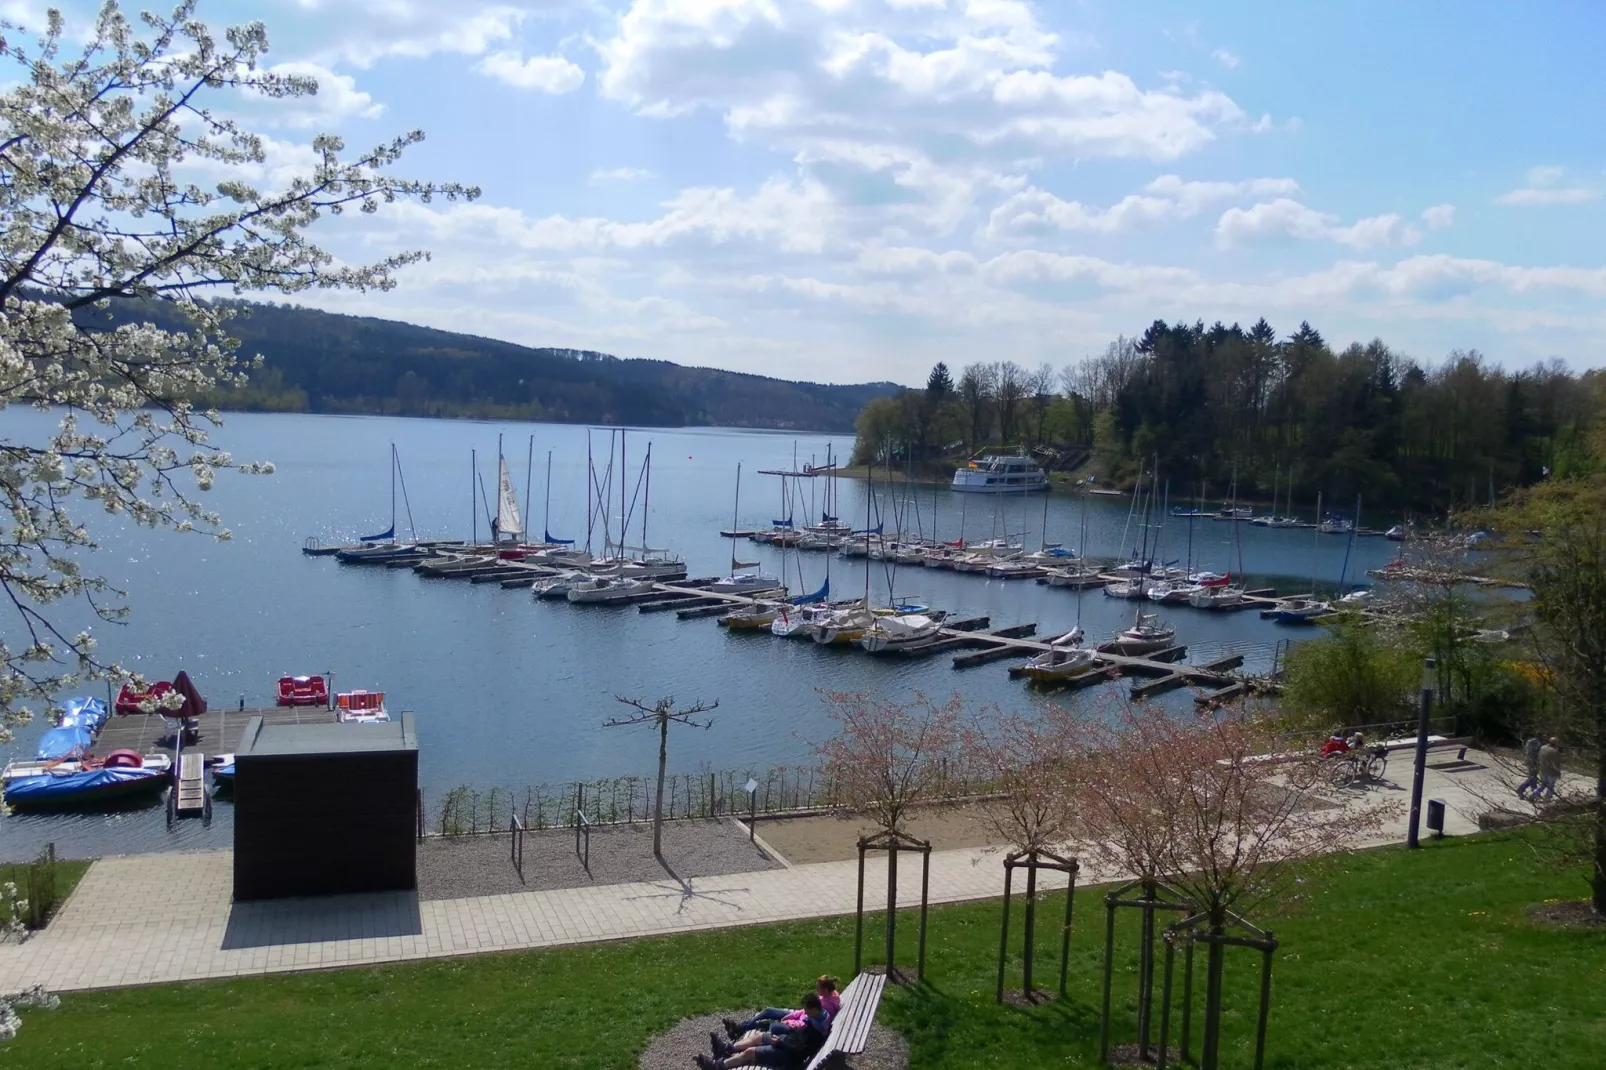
(845,190)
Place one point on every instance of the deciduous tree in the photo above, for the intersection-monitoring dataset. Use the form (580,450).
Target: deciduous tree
(106,138)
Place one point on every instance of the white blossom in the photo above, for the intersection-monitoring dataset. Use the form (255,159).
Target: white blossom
(98,228)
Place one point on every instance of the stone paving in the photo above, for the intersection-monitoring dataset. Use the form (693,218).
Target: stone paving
(156,918)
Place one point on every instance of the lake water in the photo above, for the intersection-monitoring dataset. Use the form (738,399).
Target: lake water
(509,691)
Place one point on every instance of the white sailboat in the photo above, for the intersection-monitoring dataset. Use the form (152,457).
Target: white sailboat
(901,630)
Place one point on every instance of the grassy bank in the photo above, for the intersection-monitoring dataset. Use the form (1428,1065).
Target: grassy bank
(1394,960)
(68,874)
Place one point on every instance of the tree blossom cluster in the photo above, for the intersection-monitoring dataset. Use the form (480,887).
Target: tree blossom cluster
(105,136)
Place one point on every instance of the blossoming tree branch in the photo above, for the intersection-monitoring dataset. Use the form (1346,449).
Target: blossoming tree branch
(105,140)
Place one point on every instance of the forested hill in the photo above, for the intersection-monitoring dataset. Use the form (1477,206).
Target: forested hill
(322,362)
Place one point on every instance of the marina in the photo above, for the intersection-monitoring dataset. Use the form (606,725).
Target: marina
(512,690)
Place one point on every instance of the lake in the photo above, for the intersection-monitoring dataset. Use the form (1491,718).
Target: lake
(509,691)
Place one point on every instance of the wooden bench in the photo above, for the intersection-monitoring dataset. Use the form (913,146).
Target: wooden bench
(850,1029)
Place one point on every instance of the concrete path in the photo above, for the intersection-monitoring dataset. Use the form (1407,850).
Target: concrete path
(157,918)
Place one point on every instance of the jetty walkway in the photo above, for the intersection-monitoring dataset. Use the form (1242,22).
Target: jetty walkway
(148,919)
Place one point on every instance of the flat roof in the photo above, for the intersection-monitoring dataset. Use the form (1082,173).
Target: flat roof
(277,740)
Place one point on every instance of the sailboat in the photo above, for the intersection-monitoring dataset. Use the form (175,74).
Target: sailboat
(743,578)
(1217,591)
(384,546)
(1147,635)
(1077,575)
(507,527)
(1303,610)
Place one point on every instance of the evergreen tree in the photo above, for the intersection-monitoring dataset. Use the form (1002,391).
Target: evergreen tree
(939,384)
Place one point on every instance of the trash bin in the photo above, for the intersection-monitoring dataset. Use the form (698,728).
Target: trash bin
(1436,817)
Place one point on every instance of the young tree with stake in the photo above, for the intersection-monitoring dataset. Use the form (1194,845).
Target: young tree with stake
(661,715)
(106,133)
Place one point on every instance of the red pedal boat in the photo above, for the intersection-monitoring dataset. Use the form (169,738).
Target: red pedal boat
(303,691)
(129,700)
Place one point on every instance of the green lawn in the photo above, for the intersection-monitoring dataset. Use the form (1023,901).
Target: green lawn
(68,874)
(1395,961)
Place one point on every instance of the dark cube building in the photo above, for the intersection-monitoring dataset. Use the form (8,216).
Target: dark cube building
(325,809)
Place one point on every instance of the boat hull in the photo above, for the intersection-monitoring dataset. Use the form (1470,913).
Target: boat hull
(84,791)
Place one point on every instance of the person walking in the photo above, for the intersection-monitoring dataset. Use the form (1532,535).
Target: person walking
(1530,762)
(1549,769)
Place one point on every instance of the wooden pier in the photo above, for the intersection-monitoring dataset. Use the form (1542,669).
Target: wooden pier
(220,729)
(190,799)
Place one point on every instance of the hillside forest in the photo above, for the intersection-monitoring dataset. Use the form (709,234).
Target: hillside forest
(1291,413)
(316,361)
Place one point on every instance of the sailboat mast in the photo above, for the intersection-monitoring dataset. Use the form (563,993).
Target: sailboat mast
(529,478)
(1315,542)
(546,510)
(393,463)
(646,499)
(591,473)
(624,477)
(736,516)
(1343,572)
(473,501)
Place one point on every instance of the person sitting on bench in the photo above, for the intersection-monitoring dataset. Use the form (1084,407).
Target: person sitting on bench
(785,1045)
(830,999)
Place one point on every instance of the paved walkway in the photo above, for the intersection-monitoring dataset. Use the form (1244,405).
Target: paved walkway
(156,918)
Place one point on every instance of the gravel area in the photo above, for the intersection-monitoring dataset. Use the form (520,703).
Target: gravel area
(673,1050)
(834,837)
(454,867)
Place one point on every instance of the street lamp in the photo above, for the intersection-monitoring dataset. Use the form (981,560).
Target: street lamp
(1430,679)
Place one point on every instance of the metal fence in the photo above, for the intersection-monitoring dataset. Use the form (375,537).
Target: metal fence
(466,810)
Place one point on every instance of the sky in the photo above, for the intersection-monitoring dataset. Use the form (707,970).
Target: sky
(853,190)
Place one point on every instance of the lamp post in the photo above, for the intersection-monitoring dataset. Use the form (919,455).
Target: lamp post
(1419,771)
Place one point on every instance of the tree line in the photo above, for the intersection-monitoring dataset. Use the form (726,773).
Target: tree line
(314,361)
(1290,414)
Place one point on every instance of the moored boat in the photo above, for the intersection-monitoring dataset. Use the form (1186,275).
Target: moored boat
(1297,610)
(302,691)
(600,590)
(1000,474)
(1060,662)
(902,630)
(86,788)
(361,707)
(1148,635)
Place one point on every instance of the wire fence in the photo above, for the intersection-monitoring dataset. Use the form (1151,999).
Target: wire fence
(467,810)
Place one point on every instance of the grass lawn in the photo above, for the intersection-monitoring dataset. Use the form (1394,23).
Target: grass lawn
(1394,961)
(68,874)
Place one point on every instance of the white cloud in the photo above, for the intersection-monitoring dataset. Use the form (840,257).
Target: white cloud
(1227,59)
(547,74)
(619,174)
(1286,218)
(1169,197)
(1439,216)
(337,98)
(1544,188)
(1529,197)
(363,32)
(911,75)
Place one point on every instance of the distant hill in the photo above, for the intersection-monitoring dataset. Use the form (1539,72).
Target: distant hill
(323,362)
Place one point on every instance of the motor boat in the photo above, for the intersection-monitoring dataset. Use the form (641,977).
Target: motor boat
(1336,525)
(122,778)
(903,630)
(1148,635)
(302,691)
(601,590)
(361,707)
(1355,599)
(1000,474)
(1297,610)
(90,713)
(1395,534)
(1229,512)
(19,769)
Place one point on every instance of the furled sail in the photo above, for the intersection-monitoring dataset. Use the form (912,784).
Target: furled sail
(508,521)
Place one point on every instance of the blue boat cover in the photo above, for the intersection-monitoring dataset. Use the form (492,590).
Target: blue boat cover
(817,596)
(75,787)
(62,742)
(87,713)
(781,523)
(547,535)
(384,536)
(870,531)
(224,771)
